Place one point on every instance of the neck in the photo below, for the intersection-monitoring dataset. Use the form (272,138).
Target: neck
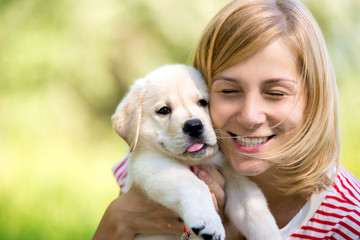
(283,207)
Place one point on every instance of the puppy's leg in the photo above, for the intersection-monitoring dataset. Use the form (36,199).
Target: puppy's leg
(176,187)
(247,208)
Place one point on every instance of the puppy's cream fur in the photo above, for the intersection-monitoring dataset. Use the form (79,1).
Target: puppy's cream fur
(151,120)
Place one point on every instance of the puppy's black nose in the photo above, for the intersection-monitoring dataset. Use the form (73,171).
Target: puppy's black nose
(193,127)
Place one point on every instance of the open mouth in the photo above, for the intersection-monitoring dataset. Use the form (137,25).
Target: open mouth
(251,142)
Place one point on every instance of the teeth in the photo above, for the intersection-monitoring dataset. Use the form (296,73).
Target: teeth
(251,142)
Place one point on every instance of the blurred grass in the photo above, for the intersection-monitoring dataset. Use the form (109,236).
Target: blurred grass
(64,66)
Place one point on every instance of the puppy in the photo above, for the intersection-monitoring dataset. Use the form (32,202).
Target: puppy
(165,120)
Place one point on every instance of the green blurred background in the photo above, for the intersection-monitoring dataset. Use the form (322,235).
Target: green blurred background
(65,65)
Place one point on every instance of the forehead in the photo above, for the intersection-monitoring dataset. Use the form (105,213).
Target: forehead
(175,85)
(275,61)
(177,80)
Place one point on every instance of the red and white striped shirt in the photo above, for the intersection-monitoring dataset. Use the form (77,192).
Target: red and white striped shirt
(331,214)
(120,171)
(334,214)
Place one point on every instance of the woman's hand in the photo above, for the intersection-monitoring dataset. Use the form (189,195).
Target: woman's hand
(216,182)
(134,213)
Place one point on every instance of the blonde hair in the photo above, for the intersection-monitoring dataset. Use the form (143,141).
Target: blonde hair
(244,27)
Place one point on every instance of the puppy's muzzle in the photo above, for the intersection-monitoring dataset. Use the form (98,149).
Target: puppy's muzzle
(194,127)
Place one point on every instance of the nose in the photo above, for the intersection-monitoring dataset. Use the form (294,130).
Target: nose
(251,113)
(193,127)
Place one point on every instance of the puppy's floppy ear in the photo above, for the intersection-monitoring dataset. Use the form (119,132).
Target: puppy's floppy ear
(127,117)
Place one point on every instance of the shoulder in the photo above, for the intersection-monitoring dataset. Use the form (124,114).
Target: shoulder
(120,171)
(339,214)
(346,189)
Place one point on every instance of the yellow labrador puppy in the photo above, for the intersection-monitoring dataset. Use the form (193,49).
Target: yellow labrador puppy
(165,120)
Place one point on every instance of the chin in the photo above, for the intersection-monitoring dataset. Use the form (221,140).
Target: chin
(250,167)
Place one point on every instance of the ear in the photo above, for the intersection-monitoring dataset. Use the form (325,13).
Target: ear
(127,117)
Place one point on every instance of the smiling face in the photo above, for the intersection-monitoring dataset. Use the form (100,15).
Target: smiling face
(256,103)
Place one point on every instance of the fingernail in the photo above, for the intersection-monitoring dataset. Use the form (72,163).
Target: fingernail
(203,175)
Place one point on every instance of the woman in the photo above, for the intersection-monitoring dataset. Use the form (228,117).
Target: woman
(274,104)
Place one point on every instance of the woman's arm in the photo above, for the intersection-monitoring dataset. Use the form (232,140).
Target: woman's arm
(134,213)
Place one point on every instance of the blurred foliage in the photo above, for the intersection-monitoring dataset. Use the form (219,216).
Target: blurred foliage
(65,65)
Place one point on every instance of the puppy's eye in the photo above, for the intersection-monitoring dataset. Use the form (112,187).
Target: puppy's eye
(203,102)
(164,111)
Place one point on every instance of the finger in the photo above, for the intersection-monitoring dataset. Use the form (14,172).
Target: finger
(214,173)
(216,182)
(215,202)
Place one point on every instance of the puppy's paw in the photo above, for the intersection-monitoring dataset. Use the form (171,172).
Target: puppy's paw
(207,226)
(206,236)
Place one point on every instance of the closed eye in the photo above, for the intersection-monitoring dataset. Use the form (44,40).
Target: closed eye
(229,91)
(275,94)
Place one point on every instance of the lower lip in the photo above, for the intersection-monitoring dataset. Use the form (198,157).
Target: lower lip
(250,149)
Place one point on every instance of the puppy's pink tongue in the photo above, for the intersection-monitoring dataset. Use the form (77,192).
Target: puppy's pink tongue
(195,147)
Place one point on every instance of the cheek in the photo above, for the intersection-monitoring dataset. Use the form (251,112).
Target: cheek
(297,112)
(296,116)
(218,112)
(213,114)
(221,110)
(292,115)
(294,121)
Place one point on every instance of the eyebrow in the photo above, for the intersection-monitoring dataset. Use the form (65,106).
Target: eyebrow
(276,80)
(268,81)
(224,78)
